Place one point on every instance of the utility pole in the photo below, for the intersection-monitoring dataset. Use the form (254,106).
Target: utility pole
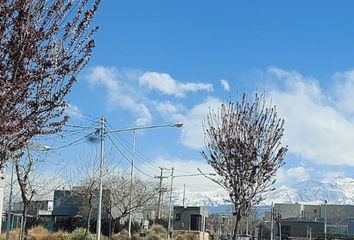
(325,219)
(272,223)
(184,194)
(102,135)
(131,186)
(158,214)
(170,210)
(9,213)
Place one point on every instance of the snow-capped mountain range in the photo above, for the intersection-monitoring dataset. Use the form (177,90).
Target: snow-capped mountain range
(337,191)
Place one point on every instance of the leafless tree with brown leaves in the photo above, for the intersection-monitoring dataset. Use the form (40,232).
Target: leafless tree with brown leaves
(243,145)
(119,185)
(43,46)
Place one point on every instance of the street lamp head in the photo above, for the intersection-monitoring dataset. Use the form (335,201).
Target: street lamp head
(179,124)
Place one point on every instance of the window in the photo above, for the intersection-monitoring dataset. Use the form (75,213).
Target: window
(178,217)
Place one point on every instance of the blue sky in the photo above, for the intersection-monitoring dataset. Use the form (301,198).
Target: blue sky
(166,61)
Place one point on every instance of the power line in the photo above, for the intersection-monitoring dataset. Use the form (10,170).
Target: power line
(143,159)
(75,142)
(125,157)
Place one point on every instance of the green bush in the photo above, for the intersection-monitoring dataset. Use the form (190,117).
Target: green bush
(187,236)
(79,234)
(153,237)
(60,235)
(135,237)
(156,232)
(122,235)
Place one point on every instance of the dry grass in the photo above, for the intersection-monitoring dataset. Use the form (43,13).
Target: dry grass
(38,233)
(60,235)
(14,233)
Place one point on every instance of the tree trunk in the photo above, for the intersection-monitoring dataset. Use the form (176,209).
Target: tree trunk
(115,220)
(88,223)
(237,224)
(110,228)
(24,221)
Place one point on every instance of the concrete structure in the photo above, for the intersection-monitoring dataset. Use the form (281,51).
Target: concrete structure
(288,210)
(190,218)
(311,212)
(302,220)
(71,203)
(35,208)
(301,229)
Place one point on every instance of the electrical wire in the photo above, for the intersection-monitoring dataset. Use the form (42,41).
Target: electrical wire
(125,157)
(143,159)
(73,143)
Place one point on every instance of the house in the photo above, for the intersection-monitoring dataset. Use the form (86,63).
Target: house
(190,218)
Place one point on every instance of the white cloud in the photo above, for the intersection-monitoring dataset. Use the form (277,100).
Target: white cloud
(344,88)
(292,175)
(164,83)
(73,111)
(225,84)
(314,129)
(171,112)
(192,131)
(166,107)
(120,93)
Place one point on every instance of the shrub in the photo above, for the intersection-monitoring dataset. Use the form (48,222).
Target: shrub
(122,235)
(79,234)
(156,232)
(153,236)
(60,235)
(187,236)
(14,233)
(38,233)
(135,237)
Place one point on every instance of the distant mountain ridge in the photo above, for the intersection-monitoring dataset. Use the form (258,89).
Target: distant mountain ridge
(337,191)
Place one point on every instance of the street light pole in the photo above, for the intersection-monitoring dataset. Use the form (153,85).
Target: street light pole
(134,128)
(170,207)
(102,135)
(325,219)
(272,222)
(131,186)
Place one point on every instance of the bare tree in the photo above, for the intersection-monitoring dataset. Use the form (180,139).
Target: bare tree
(88,189)
(23,172)
(43,46)
(32,182)
(119,186)
(244,148)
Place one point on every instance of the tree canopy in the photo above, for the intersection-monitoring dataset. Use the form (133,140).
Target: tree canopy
(243,145)
(43,46)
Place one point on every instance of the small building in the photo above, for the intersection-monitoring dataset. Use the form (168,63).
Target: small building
(301,229)
(35,208)
(190,218)
(73,203)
